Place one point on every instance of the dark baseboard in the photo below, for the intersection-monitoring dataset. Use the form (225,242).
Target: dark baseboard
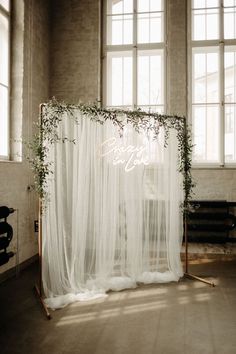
(10,273)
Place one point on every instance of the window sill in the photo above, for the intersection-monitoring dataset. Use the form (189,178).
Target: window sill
(10,161)
(213,167)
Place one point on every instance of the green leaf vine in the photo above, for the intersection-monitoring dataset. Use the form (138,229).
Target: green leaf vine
(51,114)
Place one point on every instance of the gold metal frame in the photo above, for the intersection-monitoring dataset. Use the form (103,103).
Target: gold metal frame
(39,287)
(187,274)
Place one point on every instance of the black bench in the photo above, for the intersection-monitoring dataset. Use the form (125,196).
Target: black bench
(211,221)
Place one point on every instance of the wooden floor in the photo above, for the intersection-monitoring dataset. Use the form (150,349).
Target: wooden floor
(186,317)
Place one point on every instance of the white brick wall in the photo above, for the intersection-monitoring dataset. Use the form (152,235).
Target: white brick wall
(75,50)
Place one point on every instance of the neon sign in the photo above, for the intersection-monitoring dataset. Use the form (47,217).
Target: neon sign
(128,155)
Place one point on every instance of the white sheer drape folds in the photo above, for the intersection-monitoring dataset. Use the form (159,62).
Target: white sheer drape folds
(114,218)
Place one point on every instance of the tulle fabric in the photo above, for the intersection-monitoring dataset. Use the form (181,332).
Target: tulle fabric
(114,218)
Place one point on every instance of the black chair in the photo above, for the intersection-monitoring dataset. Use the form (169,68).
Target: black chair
(6,234)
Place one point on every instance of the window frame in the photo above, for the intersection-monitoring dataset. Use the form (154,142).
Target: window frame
(220,43)
(7,15)
(133,48)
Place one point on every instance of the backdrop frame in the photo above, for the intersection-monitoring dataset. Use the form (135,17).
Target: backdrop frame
(39,287)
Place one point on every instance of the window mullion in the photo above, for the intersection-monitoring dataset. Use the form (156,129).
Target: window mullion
(9,81)
(5,85)
(4,12)
(135,69)
(222,86)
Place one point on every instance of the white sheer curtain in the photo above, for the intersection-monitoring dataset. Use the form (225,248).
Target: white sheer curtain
(114,218)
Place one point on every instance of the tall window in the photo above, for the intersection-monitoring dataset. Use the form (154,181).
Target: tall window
(213,67)
(134,54)
(4,78)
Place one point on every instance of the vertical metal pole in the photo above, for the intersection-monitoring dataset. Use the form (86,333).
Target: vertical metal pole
(222,85)
(40,208)
(39,287)
(17,243)
(191,276)
(185,205)
(40,248)
(186,242)
(100,53)
(135,57)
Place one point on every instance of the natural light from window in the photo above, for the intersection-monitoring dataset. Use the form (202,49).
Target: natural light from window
(4,79)
(213,57)
(134,54)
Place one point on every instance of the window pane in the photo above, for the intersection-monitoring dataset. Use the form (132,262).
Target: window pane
(119,29)
(230,100)
(230,23)
(3,121)
(150,27)
(119,6)
(119,82)
(119,79)
(198,4)
(212,3)
(230,74)
(5,4)
(206,133)
(152,109)
(229,3)
(128,6)
(143,6)
(156,5)
(205,24)
(4,50)
(230,138)
(150,5)
(150,77)
(205,81)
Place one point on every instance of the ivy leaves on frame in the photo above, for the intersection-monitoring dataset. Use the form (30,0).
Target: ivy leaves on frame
(52,114)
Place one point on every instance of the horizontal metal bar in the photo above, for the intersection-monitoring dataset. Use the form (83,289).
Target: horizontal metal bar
(191,276)
(138,13)
(42,302)
(130,47)
(211,43)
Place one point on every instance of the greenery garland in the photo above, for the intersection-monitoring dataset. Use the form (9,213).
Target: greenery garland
(51,116)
